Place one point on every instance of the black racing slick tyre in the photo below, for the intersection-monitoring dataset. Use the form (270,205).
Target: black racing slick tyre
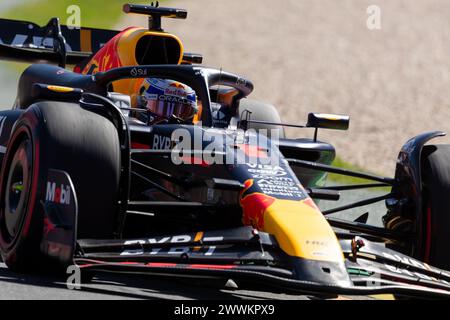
(65,137)
(261,111)
(435,238)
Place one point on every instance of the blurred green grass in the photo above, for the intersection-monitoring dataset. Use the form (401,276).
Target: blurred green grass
(341,179)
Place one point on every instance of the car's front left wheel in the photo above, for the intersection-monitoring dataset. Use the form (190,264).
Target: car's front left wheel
(63,137)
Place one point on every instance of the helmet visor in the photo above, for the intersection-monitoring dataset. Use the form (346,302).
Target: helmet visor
(166,109)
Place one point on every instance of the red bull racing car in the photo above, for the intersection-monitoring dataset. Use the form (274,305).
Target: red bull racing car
(89,179)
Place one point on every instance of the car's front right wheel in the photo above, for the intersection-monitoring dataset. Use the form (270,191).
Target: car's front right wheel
(434,243)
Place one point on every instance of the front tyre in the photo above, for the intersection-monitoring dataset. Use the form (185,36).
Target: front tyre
(19,243)
(435,240)
(65,137)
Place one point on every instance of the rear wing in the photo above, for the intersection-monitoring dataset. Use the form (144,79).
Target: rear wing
(24,41)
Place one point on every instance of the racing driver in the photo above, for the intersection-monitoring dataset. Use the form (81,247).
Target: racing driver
(165,101)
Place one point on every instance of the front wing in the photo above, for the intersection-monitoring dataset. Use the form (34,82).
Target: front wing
(253,259)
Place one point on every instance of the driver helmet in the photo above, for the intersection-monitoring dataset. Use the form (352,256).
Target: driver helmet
(166,99)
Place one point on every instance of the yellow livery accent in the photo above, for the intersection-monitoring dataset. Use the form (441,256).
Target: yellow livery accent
(126,50)
(383,296)
(302,231)
(60,89)
(331,117)
(198,236)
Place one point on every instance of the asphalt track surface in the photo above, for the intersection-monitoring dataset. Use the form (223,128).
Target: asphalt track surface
(107,286)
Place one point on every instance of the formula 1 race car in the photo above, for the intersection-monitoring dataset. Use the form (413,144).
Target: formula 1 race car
(85,182)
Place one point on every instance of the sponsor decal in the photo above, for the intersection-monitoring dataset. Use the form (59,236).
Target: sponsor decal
(138,72)
(176,89)
(400,265)
(263,170)
(275,181)
(417,276)
(406,272)
(169,98)
(281,187)
(161,142)
(59,194)
(254,205)
(414,263)
(175,250)
(152,96)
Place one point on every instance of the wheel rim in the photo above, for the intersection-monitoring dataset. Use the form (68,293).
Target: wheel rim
(17,189)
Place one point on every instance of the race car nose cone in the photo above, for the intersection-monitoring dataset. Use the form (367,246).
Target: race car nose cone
(323,272)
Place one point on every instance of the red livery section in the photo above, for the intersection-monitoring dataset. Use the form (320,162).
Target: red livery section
(254,205)
(210,266)
(106,58)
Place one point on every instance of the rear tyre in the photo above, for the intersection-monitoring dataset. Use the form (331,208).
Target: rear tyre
(262,112)
(435,240)
(62,136)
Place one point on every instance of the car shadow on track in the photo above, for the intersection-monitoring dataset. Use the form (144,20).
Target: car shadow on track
(122,286)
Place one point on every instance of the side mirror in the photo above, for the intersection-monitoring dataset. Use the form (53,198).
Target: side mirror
(328,121)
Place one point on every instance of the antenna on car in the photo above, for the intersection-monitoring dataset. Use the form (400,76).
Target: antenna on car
(155,13)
